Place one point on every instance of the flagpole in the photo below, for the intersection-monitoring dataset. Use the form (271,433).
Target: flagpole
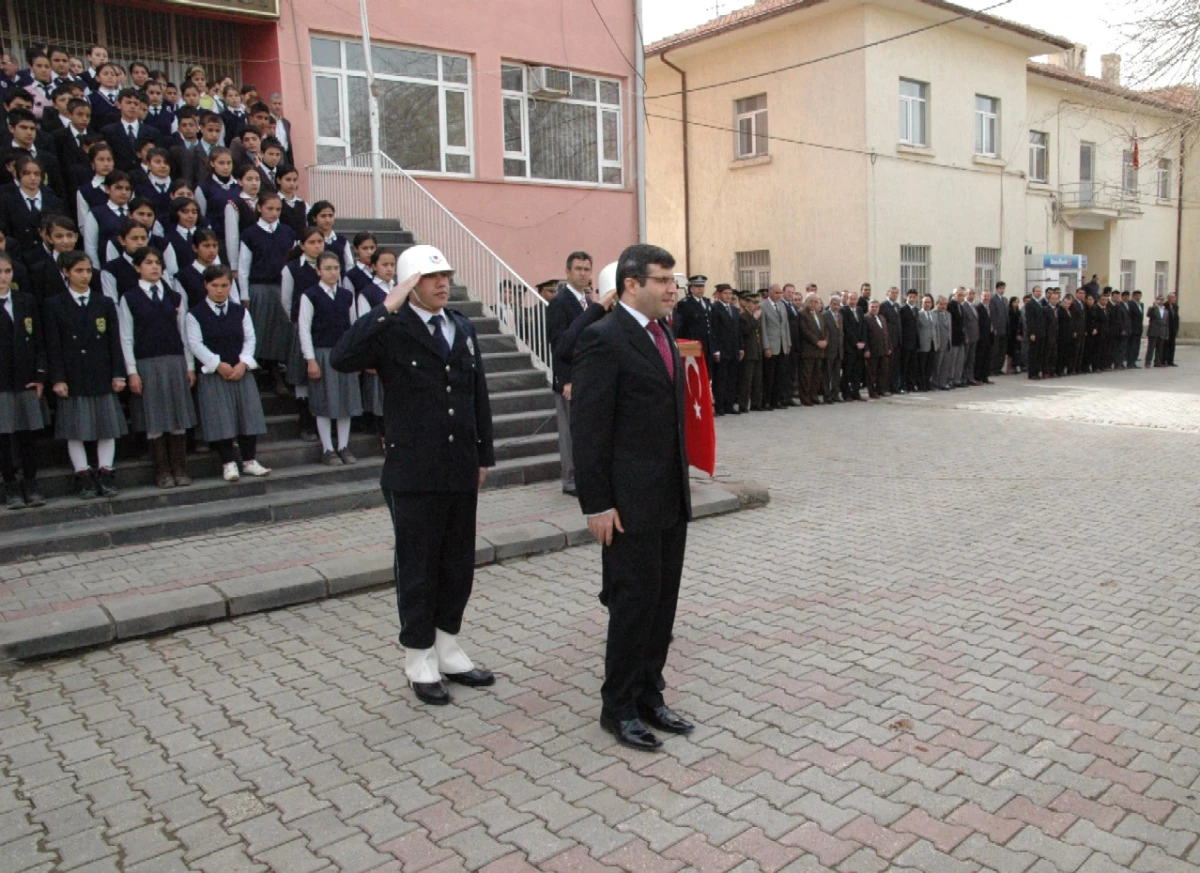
(373,113)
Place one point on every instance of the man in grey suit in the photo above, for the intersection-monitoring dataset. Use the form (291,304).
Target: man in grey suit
(1137,325)
(945,355)
(1156,334)
(832,374)
(927,344)
(971,337)
(777,345)
(998,311)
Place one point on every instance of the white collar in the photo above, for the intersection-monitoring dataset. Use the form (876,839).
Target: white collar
(331,238)
(128,124)
(425,314)
(128,257)
(200,268)
(145,286)
(641,319)
(290,201)
(253,201)
(385,284)
(226,185)
(213,304)
(181,230)
(78,296)
(37,196)
(269,228)
(331,291)
(98,182)
(159,180)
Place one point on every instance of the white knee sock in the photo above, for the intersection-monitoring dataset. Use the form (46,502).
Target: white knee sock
(343,425)
(106,450)
(78,454)
(325,433)
(153,436)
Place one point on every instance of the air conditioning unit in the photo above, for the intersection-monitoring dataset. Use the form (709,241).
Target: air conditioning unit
(549,82)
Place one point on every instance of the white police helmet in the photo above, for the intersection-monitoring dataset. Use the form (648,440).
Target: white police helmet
(421,259)
(607,281)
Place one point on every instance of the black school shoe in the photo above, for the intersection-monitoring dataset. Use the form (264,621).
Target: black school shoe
(106,482)
(31,493)
(85,483)
(433,693)
(475,678)
(12,496)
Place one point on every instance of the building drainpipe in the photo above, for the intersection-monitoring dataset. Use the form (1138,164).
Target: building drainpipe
(687,190)
(640,96)
(1179,211)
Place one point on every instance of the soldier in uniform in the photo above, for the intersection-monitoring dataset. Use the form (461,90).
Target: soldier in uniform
(693,319)
(439,446)
(750,376)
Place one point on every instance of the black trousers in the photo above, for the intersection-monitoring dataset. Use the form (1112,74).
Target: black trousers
(247,445)
(1132,346)
(852,373)
(999,352)
(910,361)
(983,358)
(899,369)
(1168,351)
(773,375)
(435,561)
(1033,362)
(18,449)
(725,384)
(641,590)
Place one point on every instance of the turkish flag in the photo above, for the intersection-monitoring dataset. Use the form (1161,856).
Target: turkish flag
(701,427)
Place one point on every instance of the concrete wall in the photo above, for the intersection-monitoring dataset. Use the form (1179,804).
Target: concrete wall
(531,225)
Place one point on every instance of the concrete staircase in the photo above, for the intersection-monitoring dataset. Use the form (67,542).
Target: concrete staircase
(526,434)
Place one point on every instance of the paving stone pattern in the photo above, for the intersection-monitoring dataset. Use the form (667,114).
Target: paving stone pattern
(962,637)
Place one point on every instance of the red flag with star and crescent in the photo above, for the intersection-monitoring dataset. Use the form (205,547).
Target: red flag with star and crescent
(701,427)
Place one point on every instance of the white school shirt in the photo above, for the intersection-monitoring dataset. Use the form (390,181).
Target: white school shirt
(233,231)
(287,285)
(364,305)
(245,257)
(170,259)
(125,320)
(306,319)
(108,282)
(210,360)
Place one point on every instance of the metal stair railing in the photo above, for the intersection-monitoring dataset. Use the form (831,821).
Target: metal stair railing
(520,310)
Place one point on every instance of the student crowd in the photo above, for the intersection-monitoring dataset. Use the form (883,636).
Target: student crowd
(155,251)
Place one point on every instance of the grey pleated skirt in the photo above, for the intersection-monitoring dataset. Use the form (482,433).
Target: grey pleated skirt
(334,395)
(297,367)
(272,328)
(89,418)
(372,394)
(230,409)
(22,410)
(166,402)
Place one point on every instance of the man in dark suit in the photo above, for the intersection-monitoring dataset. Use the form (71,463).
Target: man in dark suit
(835,353)
(907,363)
(129,133)
(878,353)
(1078,332)
(726,344)
(854,334)
(958,334)
(791,361)
(983,351)
(998,310)
(889,310)
(567,305)
(813,342)
(283,128)
(1172,330)
(1156,334)
(1137,325)
(693,318)
(632,477)
(439,446)
(1035,332)
(1120,353)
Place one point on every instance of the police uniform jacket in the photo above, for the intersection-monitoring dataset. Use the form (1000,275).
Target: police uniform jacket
(437,414)
(83,346)
(693,320)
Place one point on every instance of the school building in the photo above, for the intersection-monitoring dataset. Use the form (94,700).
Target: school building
(518,117)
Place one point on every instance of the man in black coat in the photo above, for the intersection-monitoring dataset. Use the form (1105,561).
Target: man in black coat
(854,345)
(439,446)
(1172,330)
(22,368)
(1137,325)
(632,476)
(567,305)
(911,375)
(127,134)
(983,351)
(958,333)
(889,308)
(693,318)
(726,343)
(1035,332)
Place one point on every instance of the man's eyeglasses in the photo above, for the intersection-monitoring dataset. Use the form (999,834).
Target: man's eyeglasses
(663,281)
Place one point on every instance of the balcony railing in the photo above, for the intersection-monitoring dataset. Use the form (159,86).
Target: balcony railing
(1099,197)
(518,306)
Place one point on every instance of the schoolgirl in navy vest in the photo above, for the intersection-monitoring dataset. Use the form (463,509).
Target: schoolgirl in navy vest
(220,335)
(364,247)
(383,267)
(153,339)
(301,273)
(119,274)
(265,247)
(142,212)
(22,378)
(240,213)
(101,224)
(323,215)
(326,312)
(295,210)
(215,192)
(86,369)
(176,242)
(189,281)
(93,191)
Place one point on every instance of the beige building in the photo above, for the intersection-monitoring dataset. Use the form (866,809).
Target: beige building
(939,155)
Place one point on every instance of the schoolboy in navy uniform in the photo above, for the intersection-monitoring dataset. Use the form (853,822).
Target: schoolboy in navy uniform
(438,452)
(124,135)
(158,115)
(103,97)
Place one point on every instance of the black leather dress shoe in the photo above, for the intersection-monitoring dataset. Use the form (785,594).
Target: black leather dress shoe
(433,693)
(632,733)
(472,678)
(664,719)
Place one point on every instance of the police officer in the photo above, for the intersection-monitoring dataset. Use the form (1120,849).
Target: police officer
(439,446)
(693,319)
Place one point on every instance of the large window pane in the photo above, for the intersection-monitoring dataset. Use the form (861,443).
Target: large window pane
(456,119)
(583,88)
(514,167)
(404,62)
(329,107)
(355,59)
(360,115)
(326,52)
(513,141)
(610,93)
(562,141)
(409,125)
(611,144)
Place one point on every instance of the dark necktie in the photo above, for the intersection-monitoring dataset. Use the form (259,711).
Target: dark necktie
(112,99)
(439,338)
(120,211)
(129,130)
(220,310)
(83,302)
(664,347)
(154,292)
(33,207)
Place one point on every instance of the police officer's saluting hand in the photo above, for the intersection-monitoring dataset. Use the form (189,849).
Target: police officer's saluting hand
(439,446)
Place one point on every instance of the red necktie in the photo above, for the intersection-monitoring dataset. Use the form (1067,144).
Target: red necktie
(664,347)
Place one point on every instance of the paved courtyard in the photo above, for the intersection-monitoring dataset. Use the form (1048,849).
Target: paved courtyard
(963,636)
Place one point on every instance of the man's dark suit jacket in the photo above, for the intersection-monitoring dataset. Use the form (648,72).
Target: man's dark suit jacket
(725,338)
(561,312)
(627,425)
(985,321)
(854,330)
(908,328)
(958,332)
(125,150)
(811,332)
(878,339)
(891,314)
(1035,320)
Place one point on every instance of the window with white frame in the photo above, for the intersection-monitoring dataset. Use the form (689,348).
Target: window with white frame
(914,112)
(572,136)
(1162,180)
(1039,156)
(1129,175)
(1162,273)
(914,268)
(753,269)
(424,105)
(987,126)
(987,268)
(1128,275)
(750,122)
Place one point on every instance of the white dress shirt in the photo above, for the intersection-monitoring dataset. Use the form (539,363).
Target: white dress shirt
(125,319)
(6,302)
(210,360)
(306,319)
(91,235)
(233,232)
(287,285)
(364,306)
(245,256)
(448,329)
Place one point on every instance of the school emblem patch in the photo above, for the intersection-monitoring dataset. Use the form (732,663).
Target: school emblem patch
(29,326)
(101,325)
